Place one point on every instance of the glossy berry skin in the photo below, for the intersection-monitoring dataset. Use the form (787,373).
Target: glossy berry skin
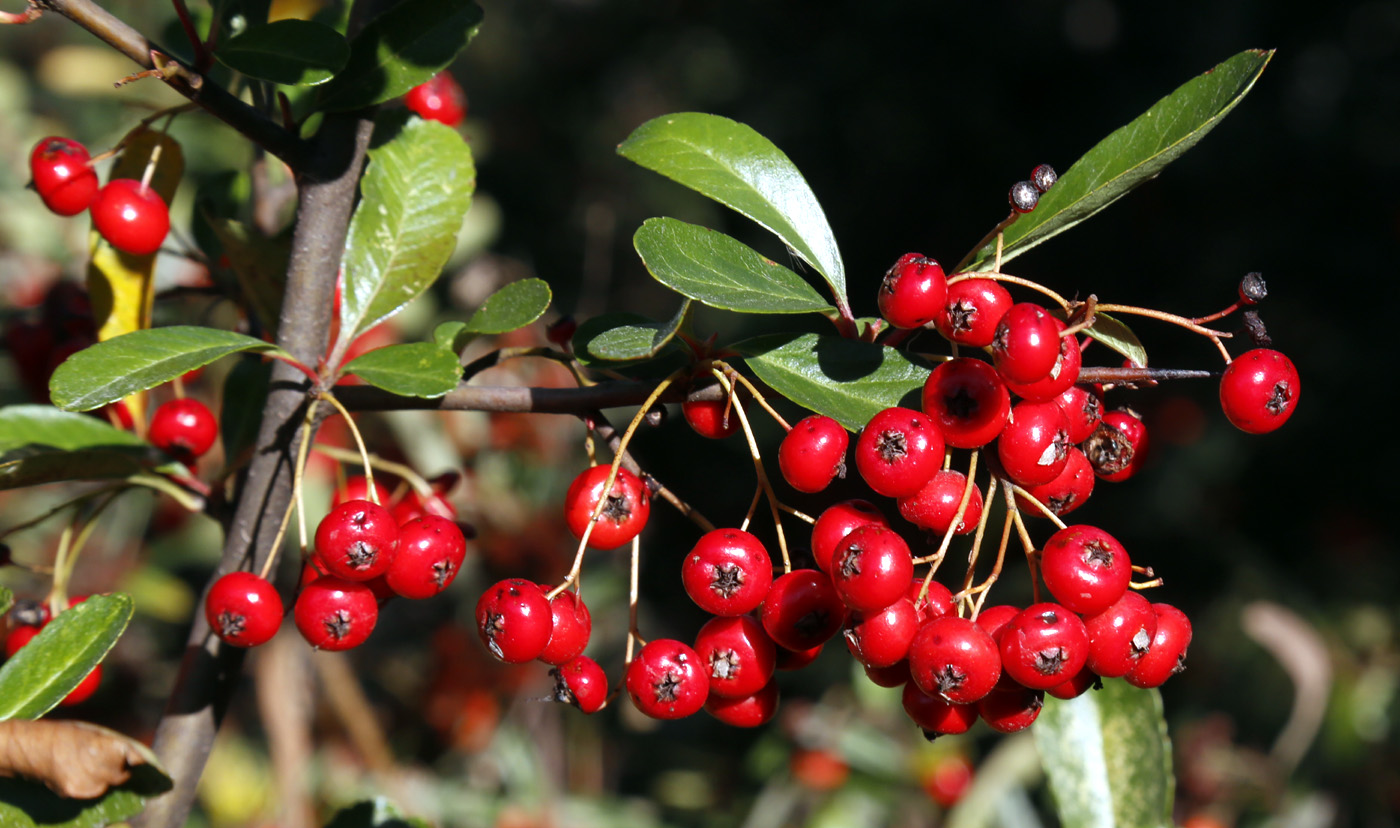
(63,178)
(937,600)
(570,630)
(1085,568)
(624,513)
(973,309)
(430,554)
(1027,344)
(968,401)
(335,614)
(813,453)
(1259,391)
(746,711)
(243,609)
(414,505)
(1083,408)
(871,568)
(667,680)
(183,428)
(1044,645)
(737,656)
(895,675)
(935,505)
(1079,684)
(1034,446)
(881,638)
(1135,432)
(913,292)
(439,98)
(85,688)
(1068,491)
(898,451)
(1121,635)
(836,522)
(132,218)
(357,540)
(994,619)
(802,610)
(790,660)
(18,637)
(954,658)
(935,714)
(1063,374)
(727,572)
(1011,709)
(1023,196)
(514,620)
(714,419)
(581,683)
(1167,655)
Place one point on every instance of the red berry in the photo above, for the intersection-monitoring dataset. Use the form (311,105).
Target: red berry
(1027,343)
(1118,447)
(1085,568)
(872,568)
(737,656)
(935,505)
(1044,645)
(913,292)
(714,419)
(935,714)
(243,609)
(898,451)
(1121,635)
(746,711)
(624,512)
(1083,408)
(414,505)
(1259,391)
(439,98)
(183,428)
(802,610)
(954,658)
(895,675)
(727,572)
(335,614)
(357,488)
(1023,196)
(85,688)
(790,660)
(1167,655)
(813,453)
(974,308)
(994,619)
(836,522)
(950,778)
(18,637)
(667,680)
(132,218)
(62,175)
(881,638)
(357,540)
(514,620)
(430,554)
(1011,708)
(1034,446)
(1068,490)
(1077,685)
(936,603)
(581,683)
(571,628)
(1063,374)
(968,401)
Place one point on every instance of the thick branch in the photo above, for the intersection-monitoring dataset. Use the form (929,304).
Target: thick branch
(575,401)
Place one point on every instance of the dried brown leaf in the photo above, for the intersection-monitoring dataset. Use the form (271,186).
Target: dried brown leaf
(73,759)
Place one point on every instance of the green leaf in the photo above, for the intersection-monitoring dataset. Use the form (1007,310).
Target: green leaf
(627,337)
(512,307)
(399,49)
(26,804)
(1108,758)
(292,52)
(1117,336)
(415,192)
(47,668)
(418,369)
(41,444)
(721,272)
(1130,156)
(374,813)
(844,379)
(7,598)
(734,165)
(143,359)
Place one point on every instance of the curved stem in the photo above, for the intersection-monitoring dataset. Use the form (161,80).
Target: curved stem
(1163,316)
(359,443)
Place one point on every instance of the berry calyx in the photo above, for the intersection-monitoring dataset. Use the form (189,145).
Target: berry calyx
(429,555)
(973,309)
(335,614)
(802,610)
(836,522)
(738,656)
(357,540)
(871,568)
(63,176)
(132,218)
(727,572)
(1128,452)
(1259,391)
(1167,655)
(1085,568)
(1044,645)
(813,453)
(183,428)
(243,609)
(581,683)
(514,620)
(954,658)
(968,401)
(624,513)
(898,451)
(667,680)
(1120,635)
(913,292)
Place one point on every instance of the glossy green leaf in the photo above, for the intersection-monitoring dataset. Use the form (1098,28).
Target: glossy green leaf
(7,599)
(631,338)
(720,271)
(401,48)
(1113,333)
(41,444)
(374,813)
(139,360)
(26,804)
(293,52)
(734,165)
(844,379)
(417,369)
(1108,758)
(415,192)
(1130,155)
(512,307)
(47,668)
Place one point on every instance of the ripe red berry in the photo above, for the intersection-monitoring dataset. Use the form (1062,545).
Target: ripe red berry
(414,505)
(1034,446)
(667,680)
(714,419)
(439,98)
(913,292)
(62,174)
(1044,645)
(895,675)
(430,554)
(1085,568)
(1167,655)
(968,401)
(836,522)
(746,711)
(570,630)
(624,512)
(1009,709)
(802,610)
(1259,391)
(85,688)
(936,715)
(881,638)
(581,683)
(514,620)
(357,488)
(813,453)
(935,505)
(737,656)
(973,309)
(1128,452)
(954,658)
(728,572)
(20,636)
(132,218)
(243,609)
(790,660)
(871,568)
(1077,685)
(1023,196)
(1063,374)
(994,619)
(335,614)
(183,428)
(898,451)
(1068,491)
(937,601)
(1083,407)
(1026,344)
(1121,635)
(357,540)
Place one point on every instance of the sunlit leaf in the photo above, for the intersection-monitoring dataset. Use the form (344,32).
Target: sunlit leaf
(627,337)
(42,444)
(36,678)
(417,369)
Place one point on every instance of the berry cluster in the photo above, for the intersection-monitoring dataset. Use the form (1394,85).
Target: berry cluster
(129,214)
